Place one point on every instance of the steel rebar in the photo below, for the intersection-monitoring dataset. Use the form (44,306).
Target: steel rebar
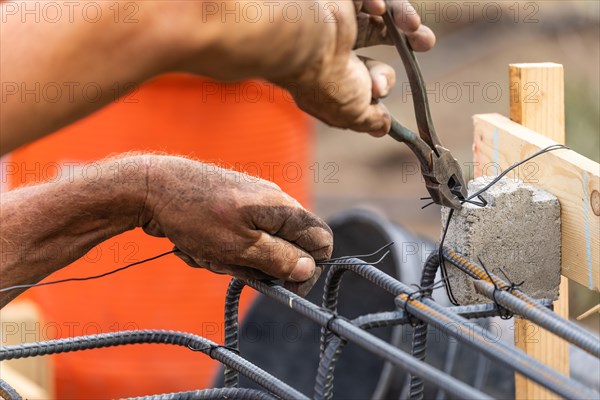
(212,394)
(366,340)
(333,349)
(7,392)
(232,299)
(516,305)
(428,310)
(419,342)
(194,342)
(559,326)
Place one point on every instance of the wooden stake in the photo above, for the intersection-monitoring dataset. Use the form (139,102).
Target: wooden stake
(537,98)
(537,102)
(571,177)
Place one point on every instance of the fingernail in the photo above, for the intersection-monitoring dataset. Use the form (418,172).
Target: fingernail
(305,268)
(382,84)
(380,132)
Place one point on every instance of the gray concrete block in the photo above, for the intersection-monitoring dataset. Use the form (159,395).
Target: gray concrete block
(518,231)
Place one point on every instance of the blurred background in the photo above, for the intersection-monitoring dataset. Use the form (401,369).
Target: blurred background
(466,74)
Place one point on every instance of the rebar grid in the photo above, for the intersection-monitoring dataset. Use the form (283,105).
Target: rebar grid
(336,330)
(561,327)
(413,306)
(209,394)
(522,308)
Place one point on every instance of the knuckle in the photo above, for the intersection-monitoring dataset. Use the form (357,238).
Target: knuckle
(273,185)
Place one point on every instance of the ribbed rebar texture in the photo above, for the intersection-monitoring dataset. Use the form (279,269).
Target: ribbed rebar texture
(330,301)
(212,394)
(419,343)
(559,326)
(516,305)
(511,357)
(412,305)
(366,340)
(456,326)
(330,345)
(231,377)
(326,369)
(7,392)
(333,349)
(193,342)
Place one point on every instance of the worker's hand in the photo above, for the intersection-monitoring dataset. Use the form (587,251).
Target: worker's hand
(372,30)
(305,46)
(233,223)
(310,53)
(343,89)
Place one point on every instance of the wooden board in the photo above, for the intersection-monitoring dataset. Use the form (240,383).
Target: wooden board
(537,98)
(537,103)
(571,177)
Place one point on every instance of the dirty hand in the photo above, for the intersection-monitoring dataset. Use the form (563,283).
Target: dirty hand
(343,89)
(310,55)
(233,223)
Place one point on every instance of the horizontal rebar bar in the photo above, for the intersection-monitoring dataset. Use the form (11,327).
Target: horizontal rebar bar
(211,394)
(367,341)
(194,342)
(333,348)
(516,305)
(399,317)
(558,325)
(431,312)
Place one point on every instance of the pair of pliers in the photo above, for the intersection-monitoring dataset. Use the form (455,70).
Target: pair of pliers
(442,173)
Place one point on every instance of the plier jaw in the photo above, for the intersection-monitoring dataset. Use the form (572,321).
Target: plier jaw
(442,173)
(444,180)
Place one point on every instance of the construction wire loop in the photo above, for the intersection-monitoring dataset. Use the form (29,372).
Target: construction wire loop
(425,291)
(342,330)
(209,349)
(481,203)
(442,265)
(333,261)
(417,294)
(534,310)
(504,313)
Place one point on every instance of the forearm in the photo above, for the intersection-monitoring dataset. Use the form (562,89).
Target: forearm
(48,226)
(53,73)
(55,70)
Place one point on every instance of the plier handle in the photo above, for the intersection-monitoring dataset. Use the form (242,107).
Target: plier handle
(442,173)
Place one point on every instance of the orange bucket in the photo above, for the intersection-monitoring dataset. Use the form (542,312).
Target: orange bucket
(250,126)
